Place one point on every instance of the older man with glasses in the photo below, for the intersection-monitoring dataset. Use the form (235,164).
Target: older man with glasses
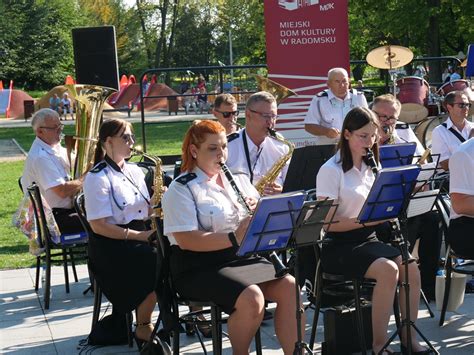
(49,167)
(225,110)
(447,137)
(251,151)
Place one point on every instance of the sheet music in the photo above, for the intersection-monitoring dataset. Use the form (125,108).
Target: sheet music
(427,171)
(422,202)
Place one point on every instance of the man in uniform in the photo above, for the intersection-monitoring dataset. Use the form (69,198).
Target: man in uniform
(251,150)
(329,108)
(48,166)
(447,137)
(425,226)
(225,110)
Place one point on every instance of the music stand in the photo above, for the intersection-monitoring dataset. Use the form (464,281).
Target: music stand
(312,218)
(393,155)
(389,198)
(304,166)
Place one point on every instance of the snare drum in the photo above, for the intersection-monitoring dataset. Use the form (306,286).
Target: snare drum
(413,94)
(424,129)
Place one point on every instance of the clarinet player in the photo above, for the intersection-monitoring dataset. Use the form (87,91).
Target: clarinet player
(205,223)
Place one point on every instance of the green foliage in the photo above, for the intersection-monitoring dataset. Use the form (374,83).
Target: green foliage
(13,244)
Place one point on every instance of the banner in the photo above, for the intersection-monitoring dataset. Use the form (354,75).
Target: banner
(304,38)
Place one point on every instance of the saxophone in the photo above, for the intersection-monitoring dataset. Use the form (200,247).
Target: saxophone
(158,186)
(272,174)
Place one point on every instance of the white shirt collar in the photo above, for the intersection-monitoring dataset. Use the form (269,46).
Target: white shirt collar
(332,96)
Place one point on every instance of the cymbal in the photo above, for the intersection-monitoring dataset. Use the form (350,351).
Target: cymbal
(389,57)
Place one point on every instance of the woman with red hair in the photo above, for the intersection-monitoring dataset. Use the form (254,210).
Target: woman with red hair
(205,224)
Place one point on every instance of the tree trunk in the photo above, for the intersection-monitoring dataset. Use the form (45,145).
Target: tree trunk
(161,40)
(434,47)
(141,16)
(168,53)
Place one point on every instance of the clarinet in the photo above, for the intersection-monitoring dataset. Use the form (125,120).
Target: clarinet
(280,269)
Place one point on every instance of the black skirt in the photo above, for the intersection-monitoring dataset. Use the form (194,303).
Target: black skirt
(351,253)
(217,276)
(460,236)
(125,270)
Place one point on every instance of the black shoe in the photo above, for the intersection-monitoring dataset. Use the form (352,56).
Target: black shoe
(267,315)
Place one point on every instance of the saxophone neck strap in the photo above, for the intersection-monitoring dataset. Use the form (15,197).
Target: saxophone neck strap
(247,155)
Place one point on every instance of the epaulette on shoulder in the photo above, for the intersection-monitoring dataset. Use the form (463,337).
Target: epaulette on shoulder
(323,93)
(183,180)
(99,167)
(232,136)
(402,125)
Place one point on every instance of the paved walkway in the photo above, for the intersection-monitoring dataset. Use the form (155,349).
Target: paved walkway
(27,328)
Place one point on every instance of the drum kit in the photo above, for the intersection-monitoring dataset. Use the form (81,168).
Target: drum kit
(421,104)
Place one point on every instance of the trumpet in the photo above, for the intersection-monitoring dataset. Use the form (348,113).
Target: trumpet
(280,269)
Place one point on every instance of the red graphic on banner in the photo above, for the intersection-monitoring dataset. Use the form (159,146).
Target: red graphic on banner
(305,38)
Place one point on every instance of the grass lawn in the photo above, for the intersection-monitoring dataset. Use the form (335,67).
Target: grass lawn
(162,139)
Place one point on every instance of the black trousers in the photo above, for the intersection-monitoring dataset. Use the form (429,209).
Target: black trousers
(460,236)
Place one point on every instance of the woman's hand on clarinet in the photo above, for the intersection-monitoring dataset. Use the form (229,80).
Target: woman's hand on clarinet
(251,202)
(242,228)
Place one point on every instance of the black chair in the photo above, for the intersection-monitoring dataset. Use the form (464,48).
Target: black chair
(173,323)
(451,263)
(81,211)
(68,250)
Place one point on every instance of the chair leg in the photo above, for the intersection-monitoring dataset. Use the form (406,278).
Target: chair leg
(97,304)
(176,331)
(258,342)
(216,330)
(447,287)
(359,317)
(38,270)
(47,287)
(73,264)
(129,320)
(66,274)
(396,310)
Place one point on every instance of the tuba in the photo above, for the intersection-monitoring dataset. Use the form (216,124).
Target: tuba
(89,102)
(280,93)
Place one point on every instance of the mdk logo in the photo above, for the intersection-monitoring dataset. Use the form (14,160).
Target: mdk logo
(296,4)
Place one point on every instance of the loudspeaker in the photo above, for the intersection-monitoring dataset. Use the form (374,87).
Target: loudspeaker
(95,56)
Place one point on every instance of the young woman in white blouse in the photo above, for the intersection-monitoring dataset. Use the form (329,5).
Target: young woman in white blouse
(354,250)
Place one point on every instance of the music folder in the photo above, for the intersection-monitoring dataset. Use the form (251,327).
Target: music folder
(388,194)
(272,223)
(393,155)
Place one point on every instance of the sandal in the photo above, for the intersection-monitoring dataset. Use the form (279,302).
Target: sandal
(140,342)
(204,329)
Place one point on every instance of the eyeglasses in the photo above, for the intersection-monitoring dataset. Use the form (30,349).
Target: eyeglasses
(229,113)
(55,128)
(267,116)
(385,118)
(462,104)
(127,137)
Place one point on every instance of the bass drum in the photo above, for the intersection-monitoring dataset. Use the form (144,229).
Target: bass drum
(424,129)
(413,95)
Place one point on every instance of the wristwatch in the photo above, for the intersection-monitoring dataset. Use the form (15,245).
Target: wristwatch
(233,239)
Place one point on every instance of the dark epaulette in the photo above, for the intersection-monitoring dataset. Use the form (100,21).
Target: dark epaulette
(323,93)
(402,125)
(183,180)
(232,136)
(99,167)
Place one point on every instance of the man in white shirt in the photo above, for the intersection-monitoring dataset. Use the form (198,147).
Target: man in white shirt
(329,108)
(461,188)
(48,166)
(447,137)
(423,227)
(251,150)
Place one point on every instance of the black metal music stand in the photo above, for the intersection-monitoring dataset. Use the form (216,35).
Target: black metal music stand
(389,198)
(312,218)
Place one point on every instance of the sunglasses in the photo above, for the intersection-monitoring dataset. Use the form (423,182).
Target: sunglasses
(462,104)
(267,116)
(228,114)
(127,137)
(55,128)
(385,118)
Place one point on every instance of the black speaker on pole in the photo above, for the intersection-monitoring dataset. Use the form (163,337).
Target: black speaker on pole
(95,56)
